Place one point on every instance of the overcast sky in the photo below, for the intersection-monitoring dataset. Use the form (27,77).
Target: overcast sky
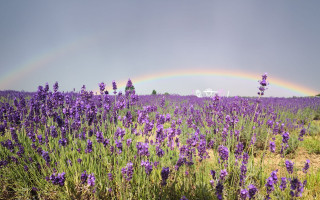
(85,42)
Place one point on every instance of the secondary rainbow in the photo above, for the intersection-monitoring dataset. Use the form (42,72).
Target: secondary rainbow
(41,60)
(220,73)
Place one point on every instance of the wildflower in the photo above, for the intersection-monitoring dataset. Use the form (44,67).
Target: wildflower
(147,165)
(58,179)
(252,191)
(102,87)
(274,176)
(213,174)
(114,86)
(84,177)
(46,156)
(212,183)
(129,141)
(285,138)
(239,149)
(89,146)
(219,190)
(244,194)
(306,166)
(164,175)
(243,170)
(91,180)
(245,158)
(270,187)
(127,171)
(223,174)
(283,184)
(110,176)
(223,152)
(272,146)
(143,149)
(159,151)
(302,133)
(296,188)
(289,166)
(99,137)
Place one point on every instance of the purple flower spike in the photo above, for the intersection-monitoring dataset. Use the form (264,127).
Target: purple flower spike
(306,166)
(252,191)
(223,174)
(223,152)
(272,146)
(289,166)
(84,177)
(91,180)
(283,184)
(244,194)
(164,175)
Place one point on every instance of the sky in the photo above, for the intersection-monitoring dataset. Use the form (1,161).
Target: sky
(79,42)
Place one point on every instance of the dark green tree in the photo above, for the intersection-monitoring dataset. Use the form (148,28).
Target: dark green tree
(129,88)
(154,92)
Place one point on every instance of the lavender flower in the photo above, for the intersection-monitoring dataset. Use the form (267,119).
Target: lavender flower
(110,176)
(302,133)
(285,138)
(164,175)
(89,146)
(273,175)
(272,146)
(46,156)
(84,177)
(219,190)
(127,171)
(58,179)
(91,180)
(223,152)
(283,184)
(213,174)
(306,166)
(270,187)
(223,174)
(296,188)
(147,166)
(289,166)
(102,87)
(252,191)
(244,194)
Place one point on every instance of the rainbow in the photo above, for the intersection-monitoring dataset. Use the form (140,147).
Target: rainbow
(219,73)
(43,59)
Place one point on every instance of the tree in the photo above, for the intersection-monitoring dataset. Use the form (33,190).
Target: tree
(154,92)
(129,88)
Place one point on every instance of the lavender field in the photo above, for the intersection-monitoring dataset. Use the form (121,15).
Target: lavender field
(120,145)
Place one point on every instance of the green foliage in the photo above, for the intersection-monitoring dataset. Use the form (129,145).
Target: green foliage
(154,92)
(312,145)
(129,88)
(314,129)
(293,144)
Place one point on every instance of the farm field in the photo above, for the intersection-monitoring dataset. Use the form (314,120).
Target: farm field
(114,145)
